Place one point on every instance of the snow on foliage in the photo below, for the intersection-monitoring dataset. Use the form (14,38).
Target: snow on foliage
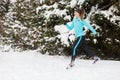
(65,34)
(110,12)
(41,1)
(73,3)
(50,12)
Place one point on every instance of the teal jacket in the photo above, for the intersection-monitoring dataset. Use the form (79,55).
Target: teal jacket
(78,25)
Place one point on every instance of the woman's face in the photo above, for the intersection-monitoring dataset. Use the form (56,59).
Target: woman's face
(76,14)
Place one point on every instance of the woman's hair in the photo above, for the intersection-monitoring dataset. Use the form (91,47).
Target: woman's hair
(82,13)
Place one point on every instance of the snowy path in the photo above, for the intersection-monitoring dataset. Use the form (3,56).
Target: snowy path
(34,66)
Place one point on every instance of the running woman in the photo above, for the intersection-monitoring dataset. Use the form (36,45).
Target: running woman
(78,24)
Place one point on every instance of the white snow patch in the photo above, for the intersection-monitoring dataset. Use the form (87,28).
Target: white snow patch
(68,17)
(12,1)
(41,1)
(73,3)
(55,11)
(48,12)
(95,41)
(65,34)
(110,12)
(30,65)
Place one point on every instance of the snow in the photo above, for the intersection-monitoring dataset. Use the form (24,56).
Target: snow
(73,3)
(68,17)
(55,11)
(48,12)
(41,1)
(95,41)
(31,65)
(110,12)
(65,34)
(12,1)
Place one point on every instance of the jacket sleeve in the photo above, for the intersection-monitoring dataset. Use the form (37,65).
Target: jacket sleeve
(70,27)
(89,27)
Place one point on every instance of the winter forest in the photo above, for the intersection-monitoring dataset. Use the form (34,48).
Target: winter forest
(36,45)
(39,25)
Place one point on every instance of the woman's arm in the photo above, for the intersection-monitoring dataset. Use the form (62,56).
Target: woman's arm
(89,27)
(70,27)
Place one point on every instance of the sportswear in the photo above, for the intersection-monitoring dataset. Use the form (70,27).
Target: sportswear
(78,25)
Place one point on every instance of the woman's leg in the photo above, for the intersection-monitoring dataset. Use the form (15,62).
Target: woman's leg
(76,45)
(87,49)
(90,52)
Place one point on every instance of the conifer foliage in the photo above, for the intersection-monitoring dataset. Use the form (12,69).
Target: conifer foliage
(30,25)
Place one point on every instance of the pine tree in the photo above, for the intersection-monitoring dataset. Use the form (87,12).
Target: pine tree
(108,42)
(4,7)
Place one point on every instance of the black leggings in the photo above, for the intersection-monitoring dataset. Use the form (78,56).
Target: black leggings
(80,43)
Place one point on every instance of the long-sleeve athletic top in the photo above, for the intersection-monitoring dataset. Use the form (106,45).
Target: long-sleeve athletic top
(78,25)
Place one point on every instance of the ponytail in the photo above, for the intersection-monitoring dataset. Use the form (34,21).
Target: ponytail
(82,13)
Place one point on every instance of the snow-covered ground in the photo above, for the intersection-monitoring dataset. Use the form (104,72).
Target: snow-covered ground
(31,65)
